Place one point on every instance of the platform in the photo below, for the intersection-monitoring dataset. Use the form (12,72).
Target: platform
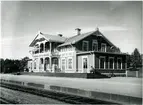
(117,89)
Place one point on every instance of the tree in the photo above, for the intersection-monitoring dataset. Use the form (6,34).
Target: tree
(1,65)
(136,60)
(11,66)
(23,63)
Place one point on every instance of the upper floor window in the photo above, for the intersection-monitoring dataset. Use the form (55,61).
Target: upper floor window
(85,45)
(94,45)
(36,49)
(41,48)
(47,47)
(103,47)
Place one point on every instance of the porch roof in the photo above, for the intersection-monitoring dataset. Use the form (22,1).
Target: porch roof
(91,52)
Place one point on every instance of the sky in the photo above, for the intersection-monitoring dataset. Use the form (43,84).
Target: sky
(119,21)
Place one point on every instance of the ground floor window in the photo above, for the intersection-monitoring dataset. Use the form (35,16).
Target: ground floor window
(111,63)
(119,62)
(31,66)
(34,65)
(41,60)
(46,60)
(70,63)
(55,61)
(63,64)
(102,63)
(85,63)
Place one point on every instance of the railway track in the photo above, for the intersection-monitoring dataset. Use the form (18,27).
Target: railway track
(5,101)
(67,98)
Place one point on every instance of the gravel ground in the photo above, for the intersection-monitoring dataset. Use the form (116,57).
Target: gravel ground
(26,98)
(118,85)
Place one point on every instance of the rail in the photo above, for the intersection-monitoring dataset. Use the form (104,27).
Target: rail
(67,98)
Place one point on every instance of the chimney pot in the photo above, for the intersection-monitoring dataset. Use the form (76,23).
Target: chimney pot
(60,35)
(78,31)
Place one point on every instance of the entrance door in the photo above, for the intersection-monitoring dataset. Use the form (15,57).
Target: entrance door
(84,64)
(54,64)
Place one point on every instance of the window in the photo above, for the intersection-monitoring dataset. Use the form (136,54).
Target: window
(41,48)
(36,49)
(55,61)
(34,65)
(47,47)
(41,60)
(102,63)
(85,46)
(119,62)
(70,63)
(84,63)
(31,66)
(63,64)
(111,63)
(46,60)
(103,47)
(94,45)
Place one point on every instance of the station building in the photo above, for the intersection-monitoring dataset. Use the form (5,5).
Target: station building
(76,54)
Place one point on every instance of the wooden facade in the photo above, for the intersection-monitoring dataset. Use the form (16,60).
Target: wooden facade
(79,54)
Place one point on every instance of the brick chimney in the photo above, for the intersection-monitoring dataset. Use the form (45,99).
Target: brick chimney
(78,31)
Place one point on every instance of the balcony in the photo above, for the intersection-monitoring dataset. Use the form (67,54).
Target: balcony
(99,50)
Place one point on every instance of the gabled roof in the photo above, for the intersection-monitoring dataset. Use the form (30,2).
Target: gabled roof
(55,38)
(71,40)
(77,38)
(52,38)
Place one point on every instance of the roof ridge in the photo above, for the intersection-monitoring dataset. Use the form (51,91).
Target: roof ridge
(78,37)
(54,35)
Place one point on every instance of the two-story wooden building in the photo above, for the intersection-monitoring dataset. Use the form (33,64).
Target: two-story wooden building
(77,54)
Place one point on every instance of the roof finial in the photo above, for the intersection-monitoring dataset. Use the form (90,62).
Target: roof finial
(39,32)
(97,29)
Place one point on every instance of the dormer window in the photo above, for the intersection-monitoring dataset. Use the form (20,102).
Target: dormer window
(85,45)
(94,45)
(103,47)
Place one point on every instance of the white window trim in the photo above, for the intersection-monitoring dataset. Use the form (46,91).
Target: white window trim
(31,66)
(94,41)
(109,63)
(87,63)
(68,63)
(118,63)
(35,65)
(105,46)
(83,44)
(62,63)
(104,62)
